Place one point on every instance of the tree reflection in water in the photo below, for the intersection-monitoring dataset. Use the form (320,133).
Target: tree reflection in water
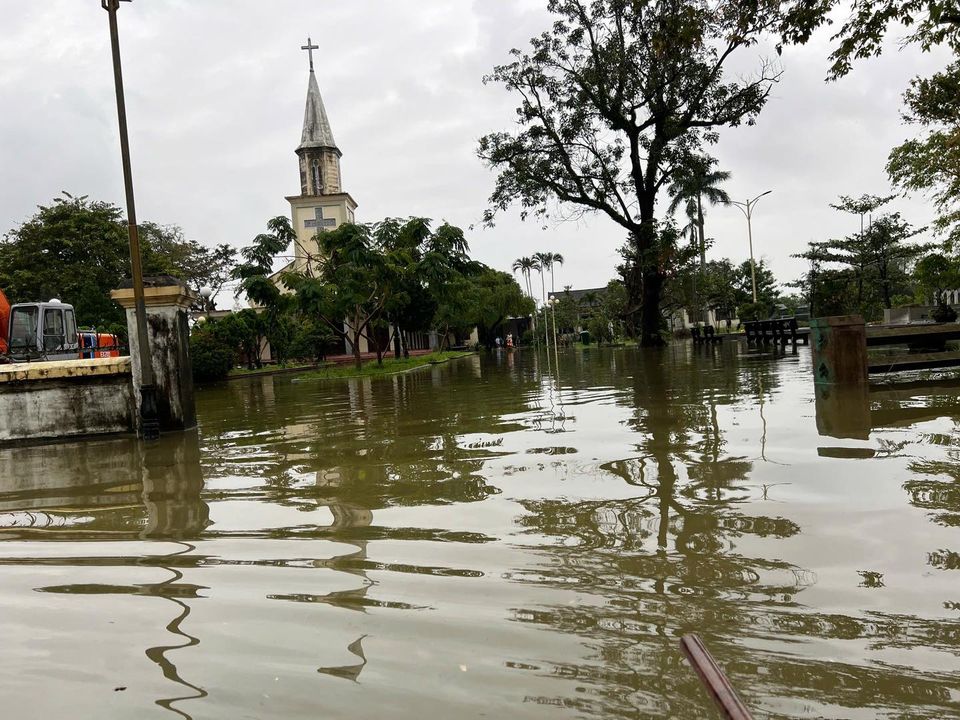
(666,562)
(562,530)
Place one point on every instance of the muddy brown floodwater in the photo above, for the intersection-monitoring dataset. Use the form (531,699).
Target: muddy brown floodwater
(487,539)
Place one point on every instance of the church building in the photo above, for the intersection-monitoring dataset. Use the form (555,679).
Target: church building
(322,204)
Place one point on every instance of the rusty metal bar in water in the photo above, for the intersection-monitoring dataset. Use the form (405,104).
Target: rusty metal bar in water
(714,678)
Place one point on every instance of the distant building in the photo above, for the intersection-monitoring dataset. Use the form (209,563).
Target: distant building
(588,301)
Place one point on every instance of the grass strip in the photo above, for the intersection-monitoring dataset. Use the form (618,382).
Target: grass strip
(391,366)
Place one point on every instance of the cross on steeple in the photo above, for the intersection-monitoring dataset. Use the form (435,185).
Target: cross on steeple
(310,47)
(319,220)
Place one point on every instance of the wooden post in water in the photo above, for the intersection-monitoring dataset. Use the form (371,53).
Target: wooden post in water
(714,679)
(839,350)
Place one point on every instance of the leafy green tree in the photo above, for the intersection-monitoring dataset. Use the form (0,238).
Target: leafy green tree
(933,275)
(167,252)
(244,332)
(722,287)
(614,302)
(877,256)
(813,283)
(255,275)
(599,328)
(427,262)
(210,357)
(485,298)
(613,99)
(855,250)
(767,291)
(352,286)
(931,162)
(931,23)
(566,311)
(679,264)
(312,340)
(885,245)
(77,249)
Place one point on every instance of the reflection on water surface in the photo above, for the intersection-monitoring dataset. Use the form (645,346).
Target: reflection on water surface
(487,539)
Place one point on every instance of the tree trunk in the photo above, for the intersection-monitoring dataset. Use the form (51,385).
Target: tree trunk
(650,335)
(396,342)
(356,332)
(645,283)
(703,237)
(887,300)
(357,360)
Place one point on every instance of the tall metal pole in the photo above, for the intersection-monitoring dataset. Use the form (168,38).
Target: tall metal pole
(149,423)
(753,264)
(747,209)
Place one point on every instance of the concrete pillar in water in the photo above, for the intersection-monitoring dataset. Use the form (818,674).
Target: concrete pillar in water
(167,300)
(839,346)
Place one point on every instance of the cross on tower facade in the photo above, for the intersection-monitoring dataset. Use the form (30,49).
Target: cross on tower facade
(319,220)
(310,47)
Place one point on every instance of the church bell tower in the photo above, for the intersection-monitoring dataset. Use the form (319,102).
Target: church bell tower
(322,204)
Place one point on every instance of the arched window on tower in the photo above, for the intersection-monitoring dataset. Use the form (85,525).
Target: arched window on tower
(317,183)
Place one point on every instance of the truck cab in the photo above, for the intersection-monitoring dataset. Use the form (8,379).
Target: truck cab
(42,331)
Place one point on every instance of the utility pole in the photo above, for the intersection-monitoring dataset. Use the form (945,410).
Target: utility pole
(148,392)
(747,209)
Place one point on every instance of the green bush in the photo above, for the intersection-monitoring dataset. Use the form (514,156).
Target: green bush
(212,359)
(753,311)
(312,341)
(943,313)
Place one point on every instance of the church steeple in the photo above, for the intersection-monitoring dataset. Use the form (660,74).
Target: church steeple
(318,152)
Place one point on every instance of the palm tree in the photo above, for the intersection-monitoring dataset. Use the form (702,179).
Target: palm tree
(544,261)
(526,265)
(695,182)
(555,259)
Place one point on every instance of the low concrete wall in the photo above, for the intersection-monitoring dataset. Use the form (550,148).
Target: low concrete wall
(67,398)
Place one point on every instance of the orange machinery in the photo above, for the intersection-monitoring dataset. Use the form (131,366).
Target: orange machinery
(4,322)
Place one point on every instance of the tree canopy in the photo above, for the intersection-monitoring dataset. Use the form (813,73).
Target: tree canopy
(613,99)
(929,163)
(77,249)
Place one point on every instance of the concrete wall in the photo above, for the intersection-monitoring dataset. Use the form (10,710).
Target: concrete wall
(910,314)
(67,398)
(74,398)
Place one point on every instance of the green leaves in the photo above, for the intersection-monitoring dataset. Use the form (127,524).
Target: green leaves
(77,249)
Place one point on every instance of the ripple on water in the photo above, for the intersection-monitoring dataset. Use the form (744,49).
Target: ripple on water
(490,538)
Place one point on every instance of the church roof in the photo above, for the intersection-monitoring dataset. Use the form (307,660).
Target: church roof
(316,125)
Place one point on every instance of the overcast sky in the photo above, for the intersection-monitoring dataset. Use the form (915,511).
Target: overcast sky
(215,95)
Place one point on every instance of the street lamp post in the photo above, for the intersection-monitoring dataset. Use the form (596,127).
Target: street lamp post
(148,398)
(556,351)
(747,209)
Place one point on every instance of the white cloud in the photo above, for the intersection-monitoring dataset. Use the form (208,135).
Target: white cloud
(215,96)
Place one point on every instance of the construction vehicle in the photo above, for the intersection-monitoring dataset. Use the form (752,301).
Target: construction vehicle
(48,331)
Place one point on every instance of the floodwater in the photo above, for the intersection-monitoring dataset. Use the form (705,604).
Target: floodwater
(487,538)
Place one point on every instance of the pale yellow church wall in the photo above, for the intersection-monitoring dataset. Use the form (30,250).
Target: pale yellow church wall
(303,209)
